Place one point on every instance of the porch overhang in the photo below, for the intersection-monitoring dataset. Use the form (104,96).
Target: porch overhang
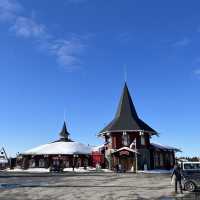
(125,151)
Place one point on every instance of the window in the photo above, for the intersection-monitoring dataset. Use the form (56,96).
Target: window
(171,159)
(192,166)
(156,160)
(125,139)
(32,163)
(161,160)
(41,163)
(142,140)
(79,162)
(66,163)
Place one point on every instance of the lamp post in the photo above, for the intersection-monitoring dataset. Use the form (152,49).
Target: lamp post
(136,158)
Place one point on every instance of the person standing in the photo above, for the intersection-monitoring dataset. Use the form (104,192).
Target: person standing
(177,175)
(117,168)
(120,167)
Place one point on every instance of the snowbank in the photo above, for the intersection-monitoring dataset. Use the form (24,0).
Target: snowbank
(30,170)
(44,170)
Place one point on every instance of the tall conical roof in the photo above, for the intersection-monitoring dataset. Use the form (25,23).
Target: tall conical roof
(126,118)
(126,106)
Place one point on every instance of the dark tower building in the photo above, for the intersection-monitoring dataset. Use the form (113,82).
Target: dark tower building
(127,139)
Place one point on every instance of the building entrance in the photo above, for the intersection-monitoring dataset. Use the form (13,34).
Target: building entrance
(126,159)
(127,163)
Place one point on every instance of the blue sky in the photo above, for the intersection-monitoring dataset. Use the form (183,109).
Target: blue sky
(68,56)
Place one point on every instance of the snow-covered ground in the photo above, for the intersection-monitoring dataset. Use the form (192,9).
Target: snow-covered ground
(101,186)
(82,170)
(156,171)
(31,170)
(44,170)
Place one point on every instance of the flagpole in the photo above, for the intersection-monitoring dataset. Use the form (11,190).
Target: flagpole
(136,159)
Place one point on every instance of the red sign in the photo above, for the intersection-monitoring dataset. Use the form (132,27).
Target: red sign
(122,153)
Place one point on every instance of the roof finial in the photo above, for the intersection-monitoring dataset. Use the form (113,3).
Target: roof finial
(125,73)
(64,115)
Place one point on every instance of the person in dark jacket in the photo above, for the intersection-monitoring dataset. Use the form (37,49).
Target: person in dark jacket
(178,176)
(117,168)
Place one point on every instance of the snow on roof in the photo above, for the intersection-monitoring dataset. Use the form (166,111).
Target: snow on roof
(164,147)
(127,149)
(62,148)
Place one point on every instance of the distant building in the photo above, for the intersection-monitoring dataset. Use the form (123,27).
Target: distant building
(4,161)
(127,141)
(63,152)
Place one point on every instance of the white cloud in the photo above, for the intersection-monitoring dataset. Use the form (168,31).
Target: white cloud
(27,27)
(65,51)
(9,9)
(197,72)
(182,43)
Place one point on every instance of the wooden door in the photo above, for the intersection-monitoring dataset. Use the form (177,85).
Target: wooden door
(126,163)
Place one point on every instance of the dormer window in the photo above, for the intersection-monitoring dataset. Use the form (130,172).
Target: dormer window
(125,139)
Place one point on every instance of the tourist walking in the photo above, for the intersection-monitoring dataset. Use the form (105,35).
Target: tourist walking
(177,176)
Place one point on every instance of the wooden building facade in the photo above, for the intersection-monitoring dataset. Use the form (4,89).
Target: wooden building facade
(4,161)
(127,141)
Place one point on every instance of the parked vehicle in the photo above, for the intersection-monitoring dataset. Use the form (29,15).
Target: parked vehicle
(191,175)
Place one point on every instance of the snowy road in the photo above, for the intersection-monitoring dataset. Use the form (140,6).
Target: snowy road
(97,186)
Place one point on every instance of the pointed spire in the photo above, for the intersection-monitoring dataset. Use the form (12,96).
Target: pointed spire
(64,134)
(126,106)
(126,118)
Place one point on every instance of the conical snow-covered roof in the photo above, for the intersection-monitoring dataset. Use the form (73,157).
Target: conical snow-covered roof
(59,148)
(63,146)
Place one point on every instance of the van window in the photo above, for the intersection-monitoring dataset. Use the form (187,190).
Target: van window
(192,166)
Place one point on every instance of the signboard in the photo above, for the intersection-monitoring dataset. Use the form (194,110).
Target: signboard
(124,153)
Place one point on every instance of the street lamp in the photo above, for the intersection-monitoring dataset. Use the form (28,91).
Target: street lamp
(136,159)
(74,156)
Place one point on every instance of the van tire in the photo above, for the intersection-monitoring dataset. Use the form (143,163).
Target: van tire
(189,186)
